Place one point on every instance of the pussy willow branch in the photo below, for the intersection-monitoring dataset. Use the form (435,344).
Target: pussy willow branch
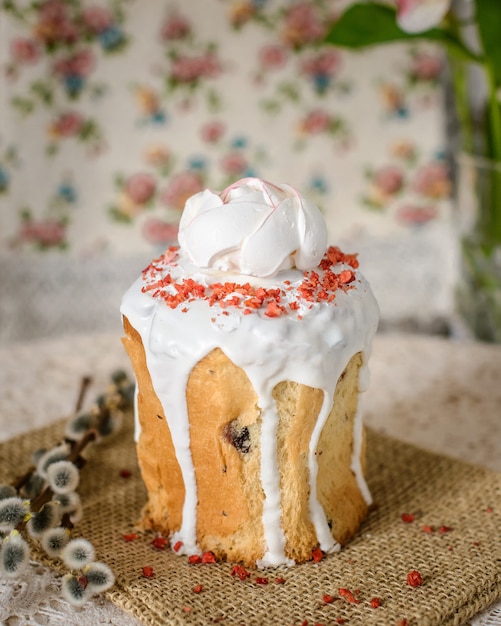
(84,386)
(74,456)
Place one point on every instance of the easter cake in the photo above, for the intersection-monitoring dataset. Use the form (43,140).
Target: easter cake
(250,343)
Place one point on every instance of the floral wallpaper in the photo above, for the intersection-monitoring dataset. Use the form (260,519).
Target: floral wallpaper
(113,112)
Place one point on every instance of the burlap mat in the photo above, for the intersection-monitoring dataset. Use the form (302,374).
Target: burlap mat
(460,560)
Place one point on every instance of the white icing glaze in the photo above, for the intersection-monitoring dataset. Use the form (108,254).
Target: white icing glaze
(311,345)
(356,460)
(325,539)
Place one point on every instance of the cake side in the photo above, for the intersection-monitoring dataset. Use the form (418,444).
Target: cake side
(337,488)
(225,446)
(155,450)
(336,454)
(298,407)
(225,427)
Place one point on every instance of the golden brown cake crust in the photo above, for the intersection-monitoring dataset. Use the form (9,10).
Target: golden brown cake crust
(337,487)
(156,455)
(225,431)
(225,440)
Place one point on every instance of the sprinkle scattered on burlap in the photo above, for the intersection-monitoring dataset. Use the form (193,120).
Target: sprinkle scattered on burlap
(460,564)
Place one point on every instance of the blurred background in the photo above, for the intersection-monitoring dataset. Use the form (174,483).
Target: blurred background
(113,112)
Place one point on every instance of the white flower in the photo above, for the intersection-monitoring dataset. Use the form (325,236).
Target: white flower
(416,16)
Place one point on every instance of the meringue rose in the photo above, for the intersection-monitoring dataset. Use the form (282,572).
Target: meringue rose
(253,227)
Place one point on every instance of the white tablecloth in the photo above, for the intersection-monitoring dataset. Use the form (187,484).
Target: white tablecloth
(435,393)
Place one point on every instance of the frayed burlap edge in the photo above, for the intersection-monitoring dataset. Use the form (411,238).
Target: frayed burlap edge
(453,541)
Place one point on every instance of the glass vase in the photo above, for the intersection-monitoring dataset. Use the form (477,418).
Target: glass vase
(478,212)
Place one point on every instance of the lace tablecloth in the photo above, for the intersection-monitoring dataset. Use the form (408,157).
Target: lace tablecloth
(434,393)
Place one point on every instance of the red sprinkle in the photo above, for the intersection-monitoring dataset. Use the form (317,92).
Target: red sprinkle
(159,543)
(315,286)
(375,603)
(197,588)
(125,473)
(187,609)
(327,598)
(177,546)
(489,509)
(444,529)
(340,620)
(346,276)
(408,518)
(414,578)
(194,558)
(130,537)
(280,581)
(403,622)
(273,309)
(262,581)
(148,571)
(83,581)
(240,572)
(348,596)
(427,529)
(317,555)
(208,557)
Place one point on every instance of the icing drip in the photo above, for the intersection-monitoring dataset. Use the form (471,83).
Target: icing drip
(297,326)
(324,535)
(270,480)
(356,461)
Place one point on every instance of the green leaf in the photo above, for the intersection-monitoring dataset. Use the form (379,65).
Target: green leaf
(117,215)
(89,129)
(24,105)
(25,214)
(369,24)
(44,91)
(289,90)
(271,105)
(488,13)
